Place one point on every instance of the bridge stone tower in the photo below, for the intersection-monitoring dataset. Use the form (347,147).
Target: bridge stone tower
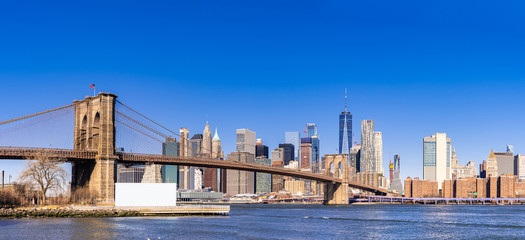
(336,193)
(95,130)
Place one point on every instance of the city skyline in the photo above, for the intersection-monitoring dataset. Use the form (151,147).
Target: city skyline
(433,73)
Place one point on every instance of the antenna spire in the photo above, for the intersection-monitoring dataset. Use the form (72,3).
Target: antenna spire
(345,100)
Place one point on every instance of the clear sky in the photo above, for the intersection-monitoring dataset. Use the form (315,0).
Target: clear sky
(415,67)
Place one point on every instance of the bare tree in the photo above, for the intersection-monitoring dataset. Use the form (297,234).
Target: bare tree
(46,174)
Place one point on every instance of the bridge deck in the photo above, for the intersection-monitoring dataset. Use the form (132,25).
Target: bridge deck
(77,155)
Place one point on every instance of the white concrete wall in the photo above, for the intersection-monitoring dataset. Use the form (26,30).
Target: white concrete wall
(145,194)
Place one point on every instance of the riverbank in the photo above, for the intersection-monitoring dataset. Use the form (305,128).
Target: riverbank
(75,211)
(64,212)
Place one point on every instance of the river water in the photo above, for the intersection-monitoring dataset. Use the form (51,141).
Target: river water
(291,222)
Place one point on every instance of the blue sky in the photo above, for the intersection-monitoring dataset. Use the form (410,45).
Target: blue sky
(414,67)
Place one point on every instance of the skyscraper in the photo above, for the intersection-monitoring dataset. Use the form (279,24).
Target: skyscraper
(246,141)
(306,154)
(315,154)
(505,161)
(492,165)
(311,129)
(355,157)
(263,181)
(311,132)
(185,152)
(293,138)
(170,173)
(261,150)
(195,173)
(288,152)
(436,158)
(206,141)
(240,181)
(212,176)
(378,146)
(216,146)
(367,159)
(345,130)
(396,183)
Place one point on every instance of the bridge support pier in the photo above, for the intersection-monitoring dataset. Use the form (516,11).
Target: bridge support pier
(335,194)
(103,178)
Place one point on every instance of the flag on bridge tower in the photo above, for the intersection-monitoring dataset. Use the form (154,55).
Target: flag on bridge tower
(92,86)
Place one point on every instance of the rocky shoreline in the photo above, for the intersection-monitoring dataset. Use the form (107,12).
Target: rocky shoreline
(65,212)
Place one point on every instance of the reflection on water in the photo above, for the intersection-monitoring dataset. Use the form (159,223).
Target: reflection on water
(290,222)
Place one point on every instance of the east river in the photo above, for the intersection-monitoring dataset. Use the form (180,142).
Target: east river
(291,222)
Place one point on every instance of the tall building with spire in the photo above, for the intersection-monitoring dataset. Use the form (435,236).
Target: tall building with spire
(206,141)
(212,176)
(345,129)
(216,147)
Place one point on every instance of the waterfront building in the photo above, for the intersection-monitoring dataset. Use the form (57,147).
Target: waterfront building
(396,183)
(246,141)
(295,187)
(367,159)
(504,186)
(436,158)
(170,173)
(240,182)
(505,162)
(263,181)
(261,150)
(129,174)
(417,188)
(519,162)
(345,130)
(492,165)
(378,147)
(355,157)
(294,139)
(185,152)
(288,152)
(306,154)
(459,171)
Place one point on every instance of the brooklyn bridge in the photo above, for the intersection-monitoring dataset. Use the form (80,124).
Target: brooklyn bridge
(99,122)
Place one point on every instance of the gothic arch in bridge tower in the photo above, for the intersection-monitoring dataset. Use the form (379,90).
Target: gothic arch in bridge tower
(83,133)
(95,131)
(336,165)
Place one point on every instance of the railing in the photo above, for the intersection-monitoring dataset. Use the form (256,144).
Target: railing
(28,152)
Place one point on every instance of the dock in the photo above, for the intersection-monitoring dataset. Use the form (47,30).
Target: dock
(183,210)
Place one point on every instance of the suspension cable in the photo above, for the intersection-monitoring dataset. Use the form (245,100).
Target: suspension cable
(33,115)
(141,124)
(180,136)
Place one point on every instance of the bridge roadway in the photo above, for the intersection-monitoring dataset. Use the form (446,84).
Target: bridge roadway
(79,155)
